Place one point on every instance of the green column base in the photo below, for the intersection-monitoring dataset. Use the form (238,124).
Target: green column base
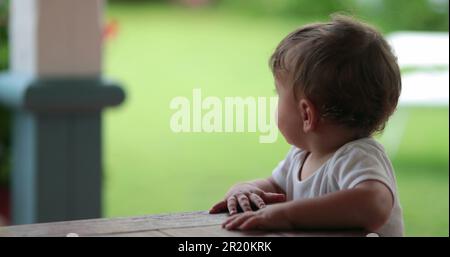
(57,155)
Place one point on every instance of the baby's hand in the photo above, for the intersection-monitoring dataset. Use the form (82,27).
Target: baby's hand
(270,218)
(246,194)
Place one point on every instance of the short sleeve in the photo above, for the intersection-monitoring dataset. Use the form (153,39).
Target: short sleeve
(360,165)
(281,172)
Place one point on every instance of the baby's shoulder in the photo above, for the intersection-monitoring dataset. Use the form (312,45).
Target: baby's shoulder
(366,145)
(364,150)
(294,152)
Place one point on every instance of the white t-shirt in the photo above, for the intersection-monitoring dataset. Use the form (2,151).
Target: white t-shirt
(353,163)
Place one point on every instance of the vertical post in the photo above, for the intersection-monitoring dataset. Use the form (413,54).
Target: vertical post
(57,93)
(56,37)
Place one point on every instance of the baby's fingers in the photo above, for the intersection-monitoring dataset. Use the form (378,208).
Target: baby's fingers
(232,205)
(230,219)
(273,197)
(236,222)
(257,201)
(250,224)
(244,202)
(219,207)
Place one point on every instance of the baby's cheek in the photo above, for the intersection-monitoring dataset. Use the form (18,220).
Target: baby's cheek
(281,112)
(280,119)
(284,125)
(290,127)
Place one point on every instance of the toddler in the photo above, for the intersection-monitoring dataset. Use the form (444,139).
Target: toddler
(338,83)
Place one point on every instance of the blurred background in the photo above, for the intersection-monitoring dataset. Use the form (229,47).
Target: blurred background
(163,49)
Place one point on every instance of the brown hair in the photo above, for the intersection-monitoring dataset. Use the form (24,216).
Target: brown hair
(345,68)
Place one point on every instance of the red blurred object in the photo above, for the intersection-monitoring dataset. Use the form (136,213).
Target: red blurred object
(110,30)
(5,207)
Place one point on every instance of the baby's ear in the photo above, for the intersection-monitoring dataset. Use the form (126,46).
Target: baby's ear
(309,115)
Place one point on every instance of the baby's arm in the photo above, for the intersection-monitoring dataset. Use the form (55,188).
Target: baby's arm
(257,192)
(366,206)
(268,185)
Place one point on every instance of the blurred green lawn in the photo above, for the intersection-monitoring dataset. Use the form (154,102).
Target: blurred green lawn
(163,52)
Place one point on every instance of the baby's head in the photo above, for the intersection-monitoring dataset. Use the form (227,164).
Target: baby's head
(340,73)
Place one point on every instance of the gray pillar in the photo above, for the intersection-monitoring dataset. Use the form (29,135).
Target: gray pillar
(56,92)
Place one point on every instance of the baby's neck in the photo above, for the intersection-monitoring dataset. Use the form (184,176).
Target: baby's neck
(328,140)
